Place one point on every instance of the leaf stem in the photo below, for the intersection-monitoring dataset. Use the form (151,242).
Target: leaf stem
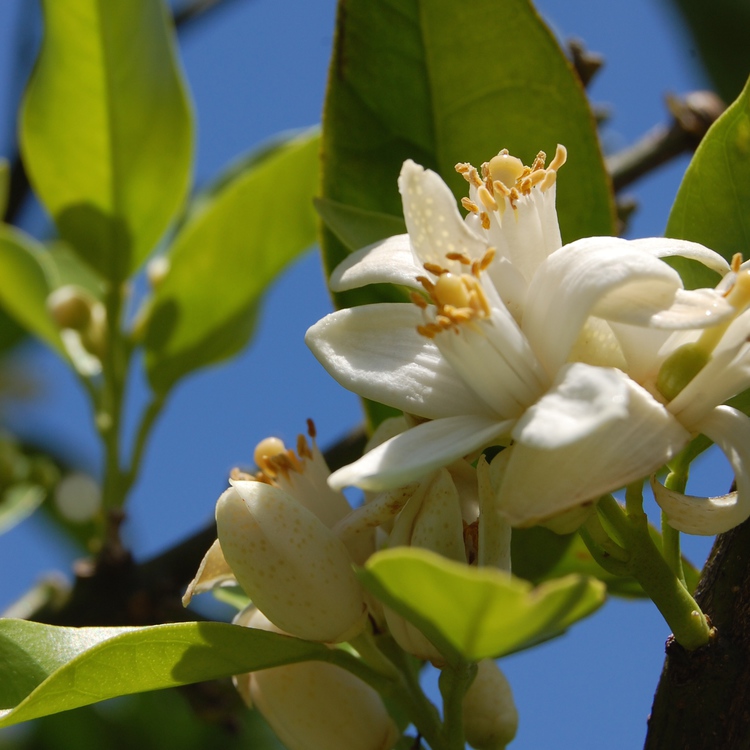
(454,682)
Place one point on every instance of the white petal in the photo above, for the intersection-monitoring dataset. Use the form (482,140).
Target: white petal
(730,430)
(417,451)
(213,571)
(726,374)
(597,275)
(582,400)
(696,308)
(663,247)
(375,351)
(390,261)
(432,218)
(540,483)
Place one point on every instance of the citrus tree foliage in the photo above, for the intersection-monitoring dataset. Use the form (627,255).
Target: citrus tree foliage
(106,136)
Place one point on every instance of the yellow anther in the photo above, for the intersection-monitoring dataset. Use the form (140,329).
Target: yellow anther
(536,177)
(485,219)
(487,200)
(434,268)
(539,160)
(469,205)
(268,448)
(561,156)
(502,188)
(505,168)
(487,258)
(462,258)
(739,294)
(736,263)
(429,287)
(418,299)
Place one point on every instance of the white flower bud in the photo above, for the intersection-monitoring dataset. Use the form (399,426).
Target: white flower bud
(490,715)
(295,570)
(317,706)
(431,519)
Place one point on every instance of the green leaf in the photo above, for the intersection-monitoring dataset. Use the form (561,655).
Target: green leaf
(719,30)
(46,669)
(409,79)
(356,227)
(106,130)
(226,255)
(475,613)
(4,185)
(712,203)
(23,285)
(18,502)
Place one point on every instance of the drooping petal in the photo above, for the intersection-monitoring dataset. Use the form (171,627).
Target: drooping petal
(213,571)
(730,430)
(600,276)
(664,247)
(564,465)
(390,261)
(376,352)
(417,451)
(432,218)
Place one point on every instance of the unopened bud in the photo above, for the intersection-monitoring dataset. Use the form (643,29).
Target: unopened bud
(293,568)
(490,715)
(157,270)
(317,706)
(70,307)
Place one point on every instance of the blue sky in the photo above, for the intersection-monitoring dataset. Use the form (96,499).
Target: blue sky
(258,67)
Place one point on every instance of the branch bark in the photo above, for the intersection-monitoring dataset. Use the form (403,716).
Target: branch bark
(702,701)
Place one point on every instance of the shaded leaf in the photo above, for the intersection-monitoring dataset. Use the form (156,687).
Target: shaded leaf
(711,206)
(24,287)
(356,227)
(720,33)
(106,130)
(4,185)
(45,669)
(475,613)
(225,256)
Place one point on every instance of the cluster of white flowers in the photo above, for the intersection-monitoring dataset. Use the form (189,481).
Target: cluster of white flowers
(589,363)
(585,367)
(290,542)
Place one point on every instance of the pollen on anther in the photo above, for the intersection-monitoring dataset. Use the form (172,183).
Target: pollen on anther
(485,219)
(736,262)
(433,268)
(469,205)
(462,258)
(418,300)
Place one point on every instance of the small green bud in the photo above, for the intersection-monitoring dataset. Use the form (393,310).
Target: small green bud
(490,715)
(680,367)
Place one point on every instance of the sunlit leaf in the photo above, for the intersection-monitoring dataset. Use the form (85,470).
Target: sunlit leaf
(225,256)
(475,613)
(24,287)
(712,203)
(46,669)
(18,502)
(106,130)
(413,80)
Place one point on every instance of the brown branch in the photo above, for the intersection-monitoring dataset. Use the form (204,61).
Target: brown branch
(691,119)
(703,698)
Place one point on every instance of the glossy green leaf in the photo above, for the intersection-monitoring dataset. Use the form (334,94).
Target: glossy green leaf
(412,79)
(24,287)
(476,613)
(712,203)
(356,227)
(46,669)
(225,256)
(106,131)
(18,502)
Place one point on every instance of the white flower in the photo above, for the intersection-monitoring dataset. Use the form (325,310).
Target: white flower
(514,340)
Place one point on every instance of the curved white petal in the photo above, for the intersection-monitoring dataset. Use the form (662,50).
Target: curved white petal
(432,219)
(726,374)
(581,400)
(694,308)
(390,261)
(376,352)
(422,449)
(730,430)
(602,276)
(539,483)
(664,247)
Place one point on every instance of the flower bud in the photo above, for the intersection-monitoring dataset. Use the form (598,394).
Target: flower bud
(490,715)
(295,570)
(317,706)
(70,307)
(431,519)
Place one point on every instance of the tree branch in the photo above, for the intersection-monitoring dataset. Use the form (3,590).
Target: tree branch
(703,698)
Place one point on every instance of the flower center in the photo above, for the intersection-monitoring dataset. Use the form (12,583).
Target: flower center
(273,458)
(457,298)
(506,178)
(680,367)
